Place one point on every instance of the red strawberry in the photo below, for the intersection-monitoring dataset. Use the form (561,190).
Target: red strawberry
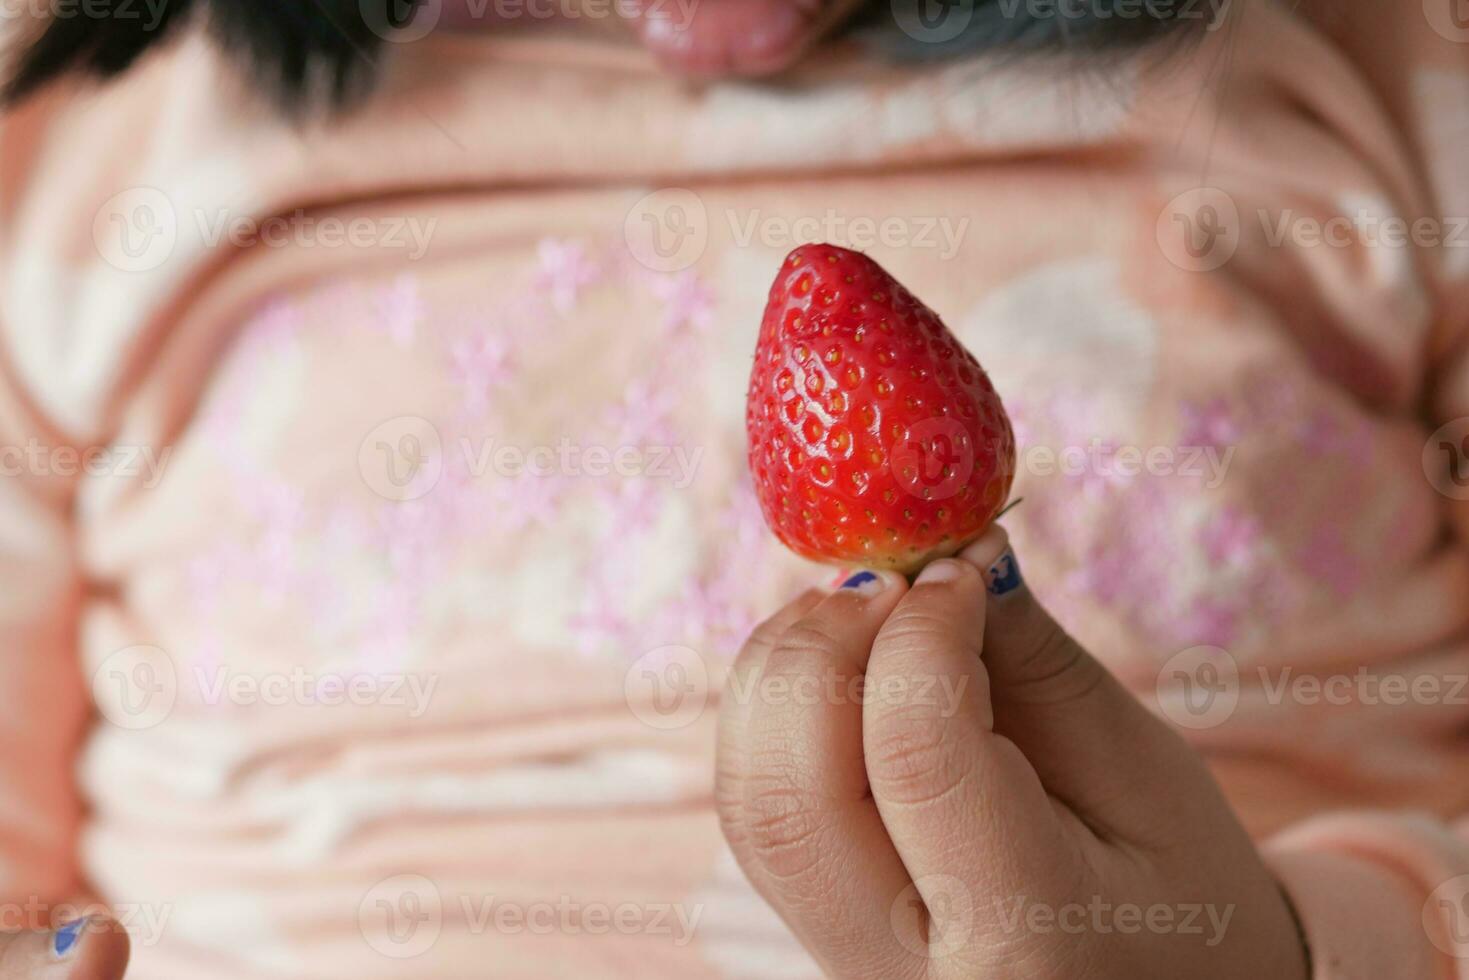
(875,438)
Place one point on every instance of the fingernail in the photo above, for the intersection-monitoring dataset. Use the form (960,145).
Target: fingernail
(1003,577)
(865,583)
(65,939)
(943,570)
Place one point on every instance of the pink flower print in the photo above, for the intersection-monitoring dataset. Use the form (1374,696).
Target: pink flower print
(632,501)
(1099,474)
(1323,433)
(600,624)
(1210,620)
(641,418)
(399,309)
(1209,425)
(394,617)
(480,364)
(564,271)
(279,509)
(688,302)
(696,615)
(1327,558)
(1231,537)
(277,324)
(207,575)
(1021,422)
(516,502)
(414,534)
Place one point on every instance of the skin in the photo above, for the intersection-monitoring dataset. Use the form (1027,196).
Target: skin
(973,834)
(99,953)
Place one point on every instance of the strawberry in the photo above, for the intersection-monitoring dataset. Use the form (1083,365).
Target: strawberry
(875,438)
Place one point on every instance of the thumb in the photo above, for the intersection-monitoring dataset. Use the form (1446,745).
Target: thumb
(1092,743)
(90,948)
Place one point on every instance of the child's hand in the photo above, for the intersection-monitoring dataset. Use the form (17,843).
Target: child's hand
(92,948)
(990,803)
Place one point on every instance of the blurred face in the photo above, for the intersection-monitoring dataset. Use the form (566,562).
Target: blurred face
(703,39)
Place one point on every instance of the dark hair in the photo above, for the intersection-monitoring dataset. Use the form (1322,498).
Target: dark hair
(295,48)
(305,51)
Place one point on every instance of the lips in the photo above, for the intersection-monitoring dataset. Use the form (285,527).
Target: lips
(713,38)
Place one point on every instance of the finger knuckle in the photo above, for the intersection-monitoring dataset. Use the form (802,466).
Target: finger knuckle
(912,632)
(729,800)
(911,759)
(783,826)
(764,636)
(1057,671)
(807,643)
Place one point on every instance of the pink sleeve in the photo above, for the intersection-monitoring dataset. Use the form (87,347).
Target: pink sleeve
(40,680)
(1379,897)
(42,690)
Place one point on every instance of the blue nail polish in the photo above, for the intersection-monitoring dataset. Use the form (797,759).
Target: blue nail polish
(859,580)
(1005,575)
(66,938)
